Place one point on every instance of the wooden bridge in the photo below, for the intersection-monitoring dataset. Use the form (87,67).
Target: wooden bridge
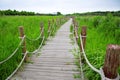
(56,61)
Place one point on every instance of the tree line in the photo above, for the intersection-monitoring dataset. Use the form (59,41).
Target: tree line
(25,13)
(15,12)
(100,13)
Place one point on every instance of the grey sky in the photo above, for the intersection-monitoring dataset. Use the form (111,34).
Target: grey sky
(64,6)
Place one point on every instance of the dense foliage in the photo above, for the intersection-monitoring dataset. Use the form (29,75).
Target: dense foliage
(101,31)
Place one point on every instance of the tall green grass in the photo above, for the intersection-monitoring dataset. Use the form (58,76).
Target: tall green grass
(101,31)
(9,38)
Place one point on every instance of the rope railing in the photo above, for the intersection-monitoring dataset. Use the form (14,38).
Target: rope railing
(36,38)
(85,57)
(51,30)
(24,54)
(13,52)
(23,58)
(82,48)
(109,71)
(80,60)
(39,46)
(17,67)
(23,43)
(76,49)
(49,33)
(83,52)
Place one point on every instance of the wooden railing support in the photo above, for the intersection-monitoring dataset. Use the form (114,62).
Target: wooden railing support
(21,30)
(76,32)
(83,35)
(42,28)
(49,26)
(53,21)
(112,61)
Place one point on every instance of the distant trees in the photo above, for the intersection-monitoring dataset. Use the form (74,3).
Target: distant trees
(100,13)
(59,13)
(15,12)
(25,13)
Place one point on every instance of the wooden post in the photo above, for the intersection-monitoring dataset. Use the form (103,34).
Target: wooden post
(53,26)
(49,26)
(53,21)
(56,23)
(73,20)
(112,61)
(60,21)
(76,33)
(74,26)
(21,30)
(83,35)
(42,28)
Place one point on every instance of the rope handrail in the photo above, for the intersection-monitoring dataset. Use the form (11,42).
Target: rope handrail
(17,67)
(92,67)
(36,38)
(23,59)
(39,46)
(81,69)
(22,40)
(14,51)
(76,47)
(53,28)
(51,31)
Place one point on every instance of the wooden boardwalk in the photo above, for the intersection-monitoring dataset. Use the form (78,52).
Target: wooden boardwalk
(56,61)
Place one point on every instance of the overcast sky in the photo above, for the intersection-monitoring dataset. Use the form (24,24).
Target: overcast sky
(63,6)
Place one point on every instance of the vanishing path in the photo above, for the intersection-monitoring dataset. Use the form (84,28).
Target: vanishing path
(56,61)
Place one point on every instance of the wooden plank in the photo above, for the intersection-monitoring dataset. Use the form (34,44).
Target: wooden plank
(56,61)
(51,65)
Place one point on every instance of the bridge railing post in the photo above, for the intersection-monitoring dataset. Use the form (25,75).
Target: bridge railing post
(42,29)
(21,30)
(112,61)
(49,27)
(76,32)
(83,35)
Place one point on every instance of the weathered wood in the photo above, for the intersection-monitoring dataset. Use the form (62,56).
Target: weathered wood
(57,22)
(53,21)
(42,29)
(73,21)
(75,25)
(21,30)
(76,32)
(83,35)
(53,71)
(112,61)
(49,27)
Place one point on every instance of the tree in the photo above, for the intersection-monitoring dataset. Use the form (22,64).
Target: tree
(59,13)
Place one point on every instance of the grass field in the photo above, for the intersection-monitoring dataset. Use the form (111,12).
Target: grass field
(9,38)
(101,31)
